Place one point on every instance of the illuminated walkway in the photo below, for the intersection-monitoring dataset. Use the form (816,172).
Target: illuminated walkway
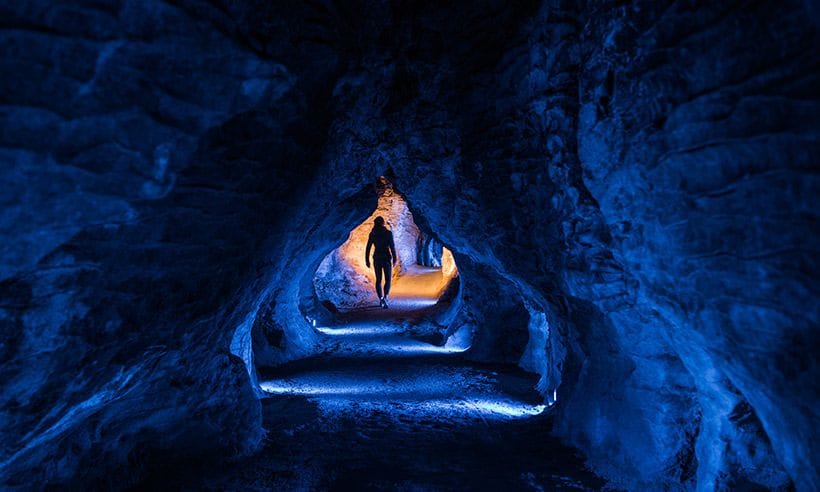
(368,366)
(412,295)
(374,359)
(382,409)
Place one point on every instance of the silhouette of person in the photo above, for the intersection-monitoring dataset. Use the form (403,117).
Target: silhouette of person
(384,257)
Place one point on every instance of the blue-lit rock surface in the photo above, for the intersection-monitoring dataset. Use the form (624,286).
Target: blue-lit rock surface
(628,188)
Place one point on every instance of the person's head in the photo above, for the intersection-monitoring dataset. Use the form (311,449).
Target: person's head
(378,222)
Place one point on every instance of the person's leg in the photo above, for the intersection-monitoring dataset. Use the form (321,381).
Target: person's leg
(378,270)
(388,274)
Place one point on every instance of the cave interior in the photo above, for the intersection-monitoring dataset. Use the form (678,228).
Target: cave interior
(606,224)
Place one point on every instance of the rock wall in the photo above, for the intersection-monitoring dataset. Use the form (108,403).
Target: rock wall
(138,189)
(698,137)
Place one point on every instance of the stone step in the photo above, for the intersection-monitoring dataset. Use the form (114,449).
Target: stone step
(421,386)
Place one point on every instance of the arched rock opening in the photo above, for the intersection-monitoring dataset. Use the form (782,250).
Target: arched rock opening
(343,281)
(479,309)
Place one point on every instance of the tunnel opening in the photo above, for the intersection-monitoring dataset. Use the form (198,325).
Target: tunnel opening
(424,279)
(338,295)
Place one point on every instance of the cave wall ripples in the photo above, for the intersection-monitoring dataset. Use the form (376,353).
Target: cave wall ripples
(698,133)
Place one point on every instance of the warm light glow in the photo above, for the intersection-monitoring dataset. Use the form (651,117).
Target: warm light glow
(344,279)
(394,210)
(448,264)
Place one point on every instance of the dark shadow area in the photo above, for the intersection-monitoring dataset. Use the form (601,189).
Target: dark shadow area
(386,451)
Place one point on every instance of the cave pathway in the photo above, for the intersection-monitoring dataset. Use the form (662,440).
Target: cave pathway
(381,408)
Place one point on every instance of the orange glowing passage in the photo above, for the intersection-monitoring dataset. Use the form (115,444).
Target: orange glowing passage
(344,279)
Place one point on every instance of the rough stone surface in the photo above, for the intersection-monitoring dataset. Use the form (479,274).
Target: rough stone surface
(698,138)
(628,189)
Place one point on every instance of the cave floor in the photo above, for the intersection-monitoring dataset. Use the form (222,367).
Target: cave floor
(390,446)
(381,409)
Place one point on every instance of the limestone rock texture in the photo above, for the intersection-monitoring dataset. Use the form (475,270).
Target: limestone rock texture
(629,190)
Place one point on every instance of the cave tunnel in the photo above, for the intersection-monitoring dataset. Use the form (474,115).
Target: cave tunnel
(423,271)
(605,218)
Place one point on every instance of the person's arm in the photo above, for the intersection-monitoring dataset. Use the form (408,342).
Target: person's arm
(367,250)
(393,249)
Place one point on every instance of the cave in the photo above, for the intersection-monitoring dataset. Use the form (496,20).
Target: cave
(605,216)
